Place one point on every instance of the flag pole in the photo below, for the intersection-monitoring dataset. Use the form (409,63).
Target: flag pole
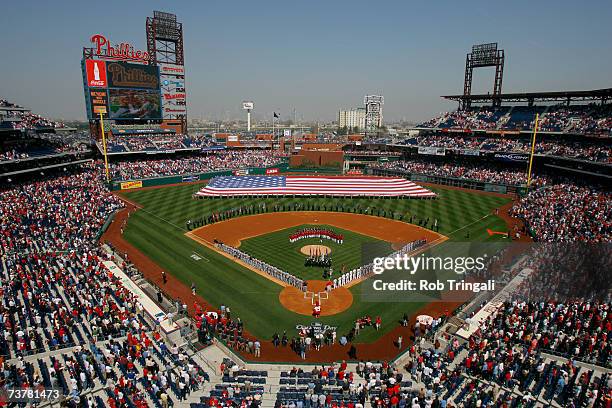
(533,140)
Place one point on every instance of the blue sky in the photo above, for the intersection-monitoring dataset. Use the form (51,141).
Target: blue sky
(315,56)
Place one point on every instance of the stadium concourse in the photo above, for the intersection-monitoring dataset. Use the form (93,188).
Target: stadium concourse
(77,315)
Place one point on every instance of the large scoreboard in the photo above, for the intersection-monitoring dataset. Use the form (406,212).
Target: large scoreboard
(132,86)
(126,91)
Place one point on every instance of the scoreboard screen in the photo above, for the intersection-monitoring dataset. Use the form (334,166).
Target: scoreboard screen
(134,104)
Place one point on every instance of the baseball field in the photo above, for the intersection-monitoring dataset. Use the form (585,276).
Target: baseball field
(157,229)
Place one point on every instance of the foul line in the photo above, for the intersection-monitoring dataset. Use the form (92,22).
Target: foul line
(141,208)
(210,246)
(201,257)
(470,224)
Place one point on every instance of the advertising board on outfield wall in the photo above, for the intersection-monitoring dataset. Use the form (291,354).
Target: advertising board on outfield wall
(127,185)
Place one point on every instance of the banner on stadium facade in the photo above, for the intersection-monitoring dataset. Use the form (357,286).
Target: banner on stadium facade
(241,172)
(272,171)
(430,150)
(470,152)
(512,157)
(287,132)
(127,185)
(232,138)
(190,178)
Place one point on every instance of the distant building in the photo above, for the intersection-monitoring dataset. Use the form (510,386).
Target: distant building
(352,118)
(373,107)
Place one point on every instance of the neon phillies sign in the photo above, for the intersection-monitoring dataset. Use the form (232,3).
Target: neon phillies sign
(122,51)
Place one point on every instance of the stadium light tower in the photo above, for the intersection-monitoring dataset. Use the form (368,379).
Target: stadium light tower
(248,106)
(483,55)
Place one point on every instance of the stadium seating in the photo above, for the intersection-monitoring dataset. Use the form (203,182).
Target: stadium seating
(23,119)
(590,120)
(218,160)
(68,323)
(598,152)
(462,171)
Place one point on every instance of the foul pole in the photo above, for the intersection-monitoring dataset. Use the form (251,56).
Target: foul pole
(104,147)
(533,140)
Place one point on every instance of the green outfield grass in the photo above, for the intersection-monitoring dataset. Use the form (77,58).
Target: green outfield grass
(158,231)
(275,249)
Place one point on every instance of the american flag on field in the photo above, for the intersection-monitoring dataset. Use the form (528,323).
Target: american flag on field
(227,186)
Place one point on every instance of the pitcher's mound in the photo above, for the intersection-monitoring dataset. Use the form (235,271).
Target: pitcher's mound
(315,249)
(334,302)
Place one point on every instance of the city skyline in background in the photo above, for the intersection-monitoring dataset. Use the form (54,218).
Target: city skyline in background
(314,58)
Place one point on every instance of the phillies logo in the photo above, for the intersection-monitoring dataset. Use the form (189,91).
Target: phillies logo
(102,46)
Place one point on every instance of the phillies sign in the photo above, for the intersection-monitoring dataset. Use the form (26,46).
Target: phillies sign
(122,51)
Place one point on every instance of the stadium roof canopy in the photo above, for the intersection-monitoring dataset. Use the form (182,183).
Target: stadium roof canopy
(13,109)
(601,95)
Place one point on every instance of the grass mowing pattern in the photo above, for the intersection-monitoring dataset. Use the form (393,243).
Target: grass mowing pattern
(157,230)
(275,249)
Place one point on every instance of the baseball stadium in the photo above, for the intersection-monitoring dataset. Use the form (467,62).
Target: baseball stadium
(151,259)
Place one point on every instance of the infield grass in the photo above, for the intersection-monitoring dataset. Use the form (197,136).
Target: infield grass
(275,249)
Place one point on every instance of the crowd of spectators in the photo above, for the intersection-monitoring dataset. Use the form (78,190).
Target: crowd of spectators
(55,214)
(491,370)
(463,171)
(566,213)
(57,295)
(20,149)
(595,120)
(23,119)
(476,119)
(218,160)
(579,150)
(163,142)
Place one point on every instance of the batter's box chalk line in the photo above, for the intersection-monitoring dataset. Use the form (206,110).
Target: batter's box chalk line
(318,295)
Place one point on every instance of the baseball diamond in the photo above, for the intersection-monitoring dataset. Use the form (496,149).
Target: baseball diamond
(278,219)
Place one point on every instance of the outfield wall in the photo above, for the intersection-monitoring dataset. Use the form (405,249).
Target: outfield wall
(452,181)
(188,178)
